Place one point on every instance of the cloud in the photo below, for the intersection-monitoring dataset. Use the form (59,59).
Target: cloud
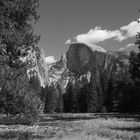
(130,45)
(98,34)
(127,46)
(50,59)
(68,41)
(129,30)
(121,49)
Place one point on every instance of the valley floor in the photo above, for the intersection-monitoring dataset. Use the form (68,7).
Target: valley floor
(76,127)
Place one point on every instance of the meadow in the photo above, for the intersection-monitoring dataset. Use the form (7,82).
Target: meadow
(74,127)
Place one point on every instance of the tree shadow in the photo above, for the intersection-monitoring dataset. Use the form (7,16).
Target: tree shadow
(14,120)
(87,116)
(128,116)
(134,129)
(68,117)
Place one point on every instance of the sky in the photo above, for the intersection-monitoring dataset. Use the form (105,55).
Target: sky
(110,24)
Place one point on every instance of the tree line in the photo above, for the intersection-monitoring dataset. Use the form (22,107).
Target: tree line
(17,93)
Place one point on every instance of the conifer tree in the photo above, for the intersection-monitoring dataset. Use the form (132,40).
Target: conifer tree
(16,31)
(16,39)
(134,60)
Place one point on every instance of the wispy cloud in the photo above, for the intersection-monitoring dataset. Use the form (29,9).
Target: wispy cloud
(98,34)
(68,41)
(50,59)
(127,46)
(130,45)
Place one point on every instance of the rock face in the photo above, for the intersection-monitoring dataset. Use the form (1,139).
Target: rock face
(58,77)
(81,58)
(37,66)
(79,81)
(81,77)
(102,66)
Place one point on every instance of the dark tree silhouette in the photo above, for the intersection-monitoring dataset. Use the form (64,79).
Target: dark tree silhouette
(18,94)
(16,32)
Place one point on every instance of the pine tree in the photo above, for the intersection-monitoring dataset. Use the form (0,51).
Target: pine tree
(16,38)
(92,105)
(134,60)
(16,32)
(133,67)
(68,98)
(138,56)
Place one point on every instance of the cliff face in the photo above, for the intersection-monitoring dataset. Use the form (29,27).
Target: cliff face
(36,65)
(78,82)
(82,75)
(58,77)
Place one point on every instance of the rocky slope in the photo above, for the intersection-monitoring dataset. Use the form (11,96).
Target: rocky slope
(78,82)
(37,66)
(82,75)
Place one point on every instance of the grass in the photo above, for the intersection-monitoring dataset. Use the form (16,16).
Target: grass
(76,127)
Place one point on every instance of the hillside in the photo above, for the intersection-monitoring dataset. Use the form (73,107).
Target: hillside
(85,73)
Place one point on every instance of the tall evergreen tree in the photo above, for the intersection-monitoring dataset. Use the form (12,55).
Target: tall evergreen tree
(138,57)
(135,62)
(16,32)
(16,38)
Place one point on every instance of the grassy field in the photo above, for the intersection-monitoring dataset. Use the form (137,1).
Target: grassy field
(76,127)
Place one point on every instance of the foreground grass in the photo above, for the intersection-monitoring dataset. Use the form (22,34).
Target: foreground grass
(76,127)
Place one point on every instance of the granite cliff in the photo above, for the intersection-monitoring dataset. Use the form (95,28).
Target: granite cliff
(79,81)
